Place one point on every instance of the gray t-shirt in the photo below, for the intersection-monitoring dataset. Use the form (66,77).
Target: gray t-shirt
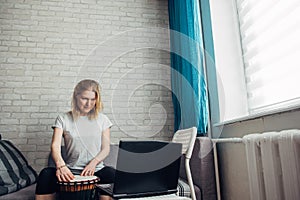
(82,138)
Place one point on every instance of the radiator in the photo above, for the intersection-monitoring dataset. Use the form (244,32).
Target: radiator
(273,160)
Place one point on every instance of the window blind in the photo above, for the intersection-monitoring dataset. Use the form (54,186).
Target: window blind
(270,38)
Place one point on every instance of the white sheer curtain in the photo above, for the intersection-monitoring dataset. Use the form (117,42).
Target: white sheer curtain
(270,37)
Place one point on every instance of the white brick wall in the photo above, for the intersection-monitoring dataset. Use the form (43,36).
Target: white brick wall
(46,47)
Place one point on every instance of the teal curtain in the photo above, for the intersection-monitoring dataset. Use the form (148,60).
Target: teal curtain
(188,83)
(210,59)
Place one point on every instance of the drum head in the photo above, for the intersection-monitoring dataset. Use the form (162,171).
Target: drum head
(79,178)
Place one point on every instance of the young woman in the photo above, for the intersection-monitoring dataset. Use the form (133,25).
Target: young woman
(86,135)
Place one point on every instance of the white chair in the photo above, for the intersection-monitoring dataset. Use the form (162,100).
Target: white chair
(187,138)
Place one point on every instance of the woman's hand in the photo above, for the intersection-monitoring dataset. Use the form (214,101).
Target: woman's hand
(64,174)
(89,170)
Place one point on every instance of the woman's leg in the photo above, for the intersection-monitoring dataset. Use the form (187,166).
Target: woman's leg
(102,197)
(45,196)
(106,175)
(46,185)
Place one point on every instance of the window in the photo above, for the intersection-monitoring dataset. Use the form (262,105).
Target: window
(257,58)
(270,41)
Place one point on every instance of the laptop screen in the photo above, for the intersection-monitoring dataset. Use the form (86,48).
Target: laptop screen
(147,167)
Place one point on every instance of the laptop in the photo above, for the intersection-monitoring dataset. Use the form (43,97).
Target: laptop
(145,168)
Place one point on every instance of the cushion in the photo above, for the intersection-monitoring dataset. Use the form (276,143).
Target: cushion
(15,173)
(202,167)
(111,159)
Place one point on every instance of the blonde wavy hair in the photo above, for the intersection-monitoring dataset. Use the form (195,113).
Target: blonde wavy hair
(82,86)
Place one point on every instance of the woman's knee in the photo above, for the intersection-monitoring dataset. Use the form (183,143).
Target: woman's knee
(48,172)
(106,174)
(46,182)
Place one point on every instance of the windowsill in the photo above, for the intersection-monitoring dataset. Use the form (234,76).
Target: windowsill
(258,115)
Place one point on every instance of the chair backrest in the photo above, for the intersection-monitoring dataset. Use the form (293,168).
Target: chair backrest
(187,138)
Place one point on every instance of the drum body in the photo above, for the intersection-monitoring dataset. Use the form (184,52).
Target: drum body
(80,188)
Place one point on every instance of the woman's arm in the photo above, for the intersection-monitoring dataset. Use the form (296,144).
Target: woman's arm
(63,173)
(105,148)
(56,147)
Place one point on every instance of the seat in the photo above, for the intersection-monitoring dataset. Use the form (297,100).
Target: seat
(187,138)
